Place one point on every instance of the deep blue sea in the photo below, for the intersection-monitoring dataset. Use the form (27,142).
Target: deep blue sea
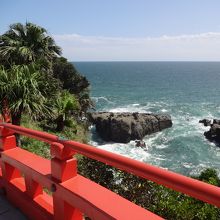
(188,91)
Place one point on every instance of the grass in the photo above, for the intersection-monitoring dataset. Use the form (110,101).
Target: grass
(43,149)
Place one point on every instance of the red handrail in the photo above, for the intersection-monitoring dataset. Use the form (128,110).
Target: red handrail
(23,175)
(197,189)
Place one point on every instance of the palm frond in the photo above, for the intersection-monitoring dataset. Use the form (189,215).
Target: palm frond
(23,44)
(25,89)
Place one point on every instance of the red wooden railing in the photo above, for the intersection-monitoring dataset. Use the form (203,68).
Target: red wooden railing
(25,175)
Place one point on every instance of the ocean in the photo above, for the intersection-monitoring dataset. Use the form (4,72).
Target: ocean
(188,91)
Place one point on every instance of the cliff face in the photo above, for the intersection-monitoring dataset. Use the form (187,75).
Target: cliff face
(124,127)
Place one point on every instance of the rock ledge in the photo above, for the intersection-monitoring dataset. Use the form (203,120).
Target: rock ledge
(124,127)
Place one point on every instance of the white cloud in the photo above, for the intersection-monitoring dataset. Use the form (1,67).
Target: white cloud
(204,46)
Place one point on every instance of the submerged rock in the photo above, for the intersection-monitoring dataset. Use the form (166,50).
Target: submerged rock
(124,127)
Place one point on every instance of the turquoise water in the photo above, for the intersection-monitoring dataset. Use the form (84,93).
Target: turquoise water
(188,91)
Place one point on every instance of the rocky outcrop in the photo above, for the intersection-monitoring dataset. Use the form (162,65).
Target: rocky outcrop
(205,122)
(124,127)
(214,132)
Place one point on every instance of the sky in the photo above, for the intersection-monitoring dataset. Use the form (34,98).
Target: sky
(124,30)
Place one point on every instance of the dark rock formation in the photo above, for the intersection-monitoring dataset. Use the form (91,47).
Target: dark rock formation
(123,127)
(206,122)
(216,121)
(140,143)
(214,132)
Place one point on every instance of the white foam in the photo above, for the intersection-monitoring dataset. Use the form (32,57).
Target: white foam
(97,99)
(129,108)
(149,140)
(164,110)
(127,150)
(188,125)
(161,146)
(149,107)
(187,165)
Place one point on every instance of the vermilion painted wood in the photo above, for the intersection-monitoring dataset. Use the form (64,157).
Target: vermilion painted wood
(38,209)
(8,142)
(63,168)
(197,189)
(24,194)
(37,167)
(100,203)
(78,192)
(1,180)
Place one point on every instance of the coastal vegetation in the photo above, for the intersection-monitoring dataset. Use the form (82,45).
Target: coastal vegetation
(37,82)
(44,91)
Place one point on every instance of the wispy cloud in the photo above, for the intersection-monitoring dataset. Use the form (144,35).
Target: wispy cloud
(204,46)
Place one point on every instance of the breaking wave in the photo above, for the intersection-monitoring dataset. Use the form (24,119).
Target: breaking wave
(181,148)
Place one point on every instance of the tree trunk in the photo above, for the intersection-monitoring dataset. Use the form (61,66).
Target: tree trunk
(60,123)
(16,120)
(5,111)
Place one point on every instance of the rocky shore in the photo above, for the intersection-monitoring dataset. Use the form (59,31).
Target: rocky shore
(213,134)
(124,127)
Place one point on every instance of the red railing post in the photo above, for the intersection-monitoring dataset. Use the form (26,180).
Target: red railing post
(7,139)
(63,168)
(7,142)
(33,189)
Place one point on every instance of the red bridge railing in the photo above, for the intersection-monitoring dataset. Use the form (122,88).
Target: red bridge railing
(25,175)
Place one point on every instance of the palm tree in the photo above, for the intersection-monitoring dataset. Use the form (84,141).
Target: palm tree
(66,105)
(24,44)
(26,91)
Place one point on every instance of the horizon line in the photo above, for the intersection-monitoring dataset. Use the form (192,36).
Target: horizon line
(205,61)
